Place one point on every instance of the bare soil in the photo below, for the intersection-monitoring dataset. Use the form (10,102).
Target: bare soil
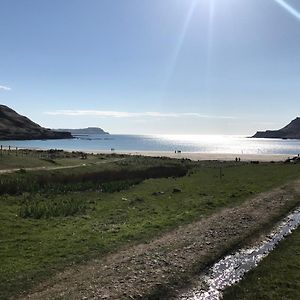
(158,269)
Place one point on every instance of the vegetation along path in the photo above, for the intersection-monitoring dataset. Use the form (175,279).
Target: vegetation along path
(158,269)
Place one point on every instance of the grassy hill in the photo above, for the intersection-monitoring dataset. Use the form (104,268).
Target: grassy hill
(16,127)
(291,131)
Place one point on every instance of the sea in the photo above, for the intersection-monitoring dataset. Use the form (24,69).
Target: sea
(226,144)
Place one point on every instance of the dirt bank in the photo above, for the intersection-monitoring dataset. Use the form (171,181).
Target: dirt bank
(150,271)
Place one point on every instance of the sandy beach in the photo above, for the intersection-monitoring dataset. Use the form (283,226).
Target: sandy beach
(204,156)
(195,156)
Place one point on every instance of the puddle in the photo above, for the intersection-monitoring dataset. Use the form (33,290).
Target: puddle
(232,268)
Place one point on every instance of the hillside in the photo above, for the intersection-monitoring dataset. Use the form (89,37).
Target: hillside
(291,131)
(16,127)
(89,130)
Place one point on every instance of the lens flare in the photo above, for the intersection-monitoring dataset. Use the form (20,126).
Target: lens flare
(183,32)
(210,43)
(181,38)
(289,8)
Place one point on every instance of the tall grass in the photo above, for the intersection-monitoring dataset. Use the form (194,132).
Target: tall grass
(46,181)
(37,207)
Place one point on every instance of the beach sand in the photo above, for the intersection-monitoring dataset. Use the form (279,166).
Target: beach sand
(204,156)
(190,155)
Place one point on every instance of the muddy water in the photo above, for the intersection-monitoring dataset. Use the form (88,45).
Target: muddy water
(232,268)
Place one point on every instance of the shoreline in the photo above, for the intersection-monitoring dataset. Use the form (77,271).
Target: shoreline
(196,156)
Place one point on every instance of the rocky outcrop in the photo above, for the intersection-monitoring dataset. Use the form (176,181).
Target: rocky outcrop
(291,131)
(16,127)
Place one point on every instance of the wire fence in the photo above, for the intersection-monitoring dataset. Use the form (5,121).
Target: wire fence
(6,150)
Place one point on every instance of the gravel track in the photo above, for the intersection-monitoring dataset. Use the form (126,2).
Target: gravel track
(158,269)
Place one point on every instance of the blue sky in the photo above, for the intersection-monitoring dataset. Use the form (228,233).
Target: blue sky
(152,66)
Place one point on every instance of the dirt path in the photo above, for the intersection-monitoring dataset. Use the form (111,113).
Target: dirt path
(5,171)
(148,271)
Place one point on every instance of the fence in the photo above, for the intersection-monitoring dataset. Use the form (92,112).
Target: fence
(7,150)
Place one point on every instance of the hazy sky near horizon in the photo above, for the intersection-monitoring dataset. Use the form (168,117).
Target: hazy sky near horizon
(152,66)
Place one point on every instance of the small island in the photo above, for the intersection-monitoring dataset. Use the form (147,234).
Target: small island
(291,131)
(85,131)
(16,127)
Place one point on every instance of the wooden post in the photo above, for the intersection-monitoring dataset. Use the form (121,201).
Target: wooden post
(8,150)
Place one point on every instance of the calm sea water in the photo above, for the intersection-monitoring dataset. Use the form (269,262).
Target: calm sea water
(185,143)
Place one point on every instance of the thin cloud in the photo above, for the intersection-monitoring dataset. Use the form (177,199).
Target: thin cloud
(124,114)
(4,88)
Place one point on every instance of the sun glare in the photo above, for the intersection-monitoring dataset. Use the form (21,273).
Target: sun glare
(289,8)
(181,37)
(183,33)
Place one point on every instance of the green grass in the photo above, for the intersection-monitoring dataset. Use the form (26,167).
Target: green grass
(42,159)
(32,249)
(18,162)
(37,207)
(276,278)
(81,179)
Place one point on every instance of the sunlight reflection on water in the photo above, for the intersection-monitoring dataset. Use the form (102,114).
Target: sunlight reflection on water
(232,268)
(186,143)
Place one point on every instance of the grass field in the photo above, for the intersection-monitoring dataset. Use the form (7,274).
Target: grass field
(33,159)
(276,278)
(73,226)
